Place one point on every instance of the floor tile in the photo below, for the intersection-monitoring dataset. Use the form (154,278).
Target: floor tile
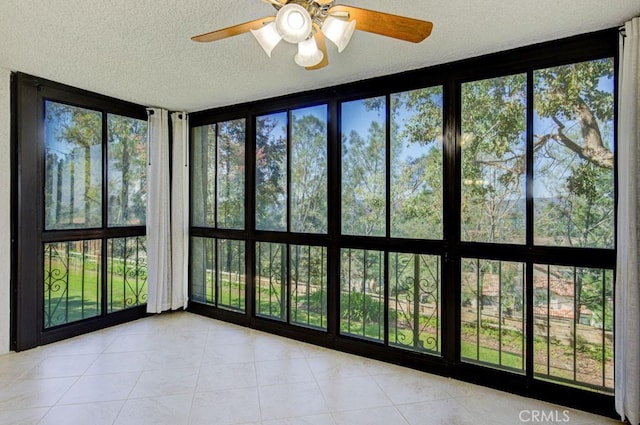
(62,366)
(283,371)
(180,368)
(180,357)
(502,408)
(104,413)
(305,420)
(227,354)
(165,410)
(96,388)
(375,416)
(109,363)
(413,387)
(22,416)
(333,365)
(156,383)
(231,376)
(134,342)
(229,336)
(267,348)
(16,365)
(84,344)
(34,393)
(226,407)
(353,393)
(291,400)
(443,412)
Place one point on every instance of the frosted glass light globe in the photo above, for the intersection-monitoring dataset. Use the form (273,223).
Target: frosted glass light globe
(293,23)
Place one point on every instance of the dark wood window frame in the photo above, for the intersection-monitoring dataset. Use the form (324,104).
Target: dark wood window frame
(28,234)
(451,249)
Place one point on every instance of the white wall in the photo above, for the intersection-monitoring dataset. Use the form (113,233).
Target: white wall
(5,211)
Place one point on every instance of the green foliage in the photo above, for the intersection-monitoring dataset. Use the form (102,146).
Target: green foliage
(309,192)
(127,183)
(73,180)
(493,164)
(359,307)
(271,172)
(317,302)
(363,180)
(230,167)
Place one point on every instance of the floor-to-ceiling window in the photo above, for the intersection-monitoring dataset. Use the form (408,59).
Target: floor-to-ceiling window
(458,219)
(80,184)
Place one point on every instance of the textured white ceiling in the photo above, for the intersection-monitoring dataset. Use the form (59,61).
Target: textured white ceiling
(139,50)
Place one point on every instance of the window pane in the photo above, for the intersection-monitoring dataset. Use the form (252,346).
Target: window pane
(203,270)
(493,314)
(126,273)
(309,286)
(73,167)
(362,294)
(271,280)
(231,174)
(271,172)
(218,275)
(231,275)
(574,155)
(414,302)
(309,170)
(364,167)
(573,338)
(72,283)
(494,116)
(203,176)
(416,164)
(127,177)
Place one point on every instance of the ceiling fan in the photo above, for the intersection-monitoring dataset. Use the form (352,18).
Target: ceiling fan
(308,23)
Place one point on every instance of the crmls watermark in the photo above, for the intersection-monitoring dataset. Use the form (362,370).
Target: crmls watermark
(544,416)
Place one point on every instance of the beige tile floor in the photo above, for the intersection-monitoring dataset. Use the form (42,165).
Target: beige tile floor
(181,368)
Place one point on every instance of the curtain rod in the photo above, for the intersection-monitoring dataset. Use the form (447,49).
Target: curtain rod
(151,112)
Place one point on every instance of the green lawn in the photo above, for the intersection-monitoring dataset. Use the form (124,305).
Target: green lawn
(71,295)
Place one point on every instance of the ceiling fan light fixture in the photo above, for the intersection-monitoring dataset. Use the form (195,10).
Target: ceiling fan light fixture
(293,23)
(308,53)
(308,23)
(268,37)
(338,31)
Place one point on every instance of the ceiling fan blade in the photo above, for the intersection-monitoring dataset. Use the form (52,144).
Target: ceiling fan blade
(276,3)
(400,27)
(322,46)
(231,31)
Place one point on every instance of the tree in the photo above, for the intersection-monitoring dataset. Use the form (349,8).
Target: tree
(231,174)
(74,139)
(271,172)
(127,170)
(364,182)
(572,147)
(74,163)
(573,158)
(417,164)
(308,173)
(203,174)
(574,154)
(493,159)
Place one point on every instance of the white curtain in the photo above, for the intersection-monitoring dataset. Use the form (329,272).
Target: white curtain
(627,298)
(180,210)
(158,213)
(167,212)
